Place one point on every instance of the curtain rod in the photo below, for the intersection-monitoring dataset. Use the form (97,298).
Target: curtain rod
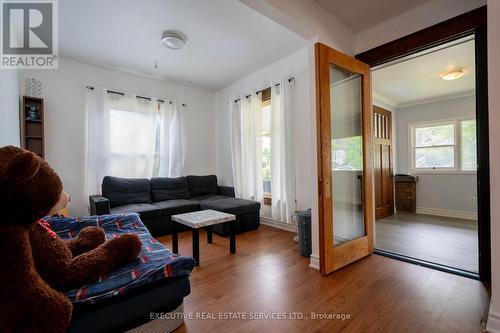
(290,80)
(139,97)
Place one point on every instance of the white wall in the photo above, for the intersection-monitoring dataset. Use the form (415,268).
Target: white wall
(418,18)
(440,191)
(9,110)
(307,19)
(494,122)
(296,65)
(64,93)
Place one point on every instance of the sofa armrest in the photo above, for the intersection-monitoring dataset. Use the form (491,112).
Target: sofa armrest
(228,191)
(99,205)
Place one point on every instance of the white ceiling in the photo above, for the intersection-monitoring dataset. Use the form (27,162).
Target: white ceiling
(359,15)
(418,80)
(226,40)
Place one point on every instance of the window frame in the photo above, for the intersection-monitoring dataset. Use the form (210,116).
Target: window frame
(457,155)
(266,101)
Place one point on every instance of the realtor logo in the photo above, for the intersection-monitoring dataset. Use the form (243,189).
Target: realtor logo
(29,34)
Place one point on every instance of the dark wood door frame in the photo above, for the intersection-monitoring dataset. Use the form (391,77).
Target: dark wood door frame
(471,23)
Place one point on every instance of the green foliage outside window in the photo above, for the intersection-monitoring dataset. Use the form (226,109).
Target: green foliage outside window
(347,153)
(469,157)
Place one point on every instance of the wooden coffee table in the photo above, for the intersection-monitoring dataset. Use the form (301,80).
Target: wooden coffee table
(203,219)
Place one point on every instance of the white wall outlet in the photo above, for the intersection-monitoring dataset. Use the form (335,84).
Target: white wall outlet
(472,200)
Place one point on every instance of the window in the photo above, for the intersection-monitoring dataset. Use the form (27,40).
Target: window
(266,142)
(130,151)
(444,146)
(347,154)
(134,131)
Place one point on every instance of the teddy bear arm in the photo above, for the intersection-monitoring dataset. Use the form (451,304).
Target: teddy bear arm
(88,239)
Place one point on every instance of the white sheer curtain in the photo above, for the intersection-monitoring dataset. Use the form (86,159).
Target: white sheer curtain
(97,147)
(120,137)
(247,148)
(171,150)
(235,123)
(282,156)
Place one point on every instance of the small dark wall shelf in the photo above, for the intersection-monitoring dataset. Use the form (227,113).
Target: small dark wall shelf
(32,125)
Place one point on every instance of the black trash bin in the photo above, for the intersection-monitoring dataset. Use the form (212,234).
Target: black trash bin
(304,230)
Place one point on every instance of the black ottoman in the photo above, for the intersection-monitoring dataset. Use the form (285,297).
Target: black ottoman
(247,214)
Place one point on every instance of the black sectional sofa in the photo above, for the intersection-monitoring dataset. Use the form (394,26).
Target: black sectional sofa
(157,199)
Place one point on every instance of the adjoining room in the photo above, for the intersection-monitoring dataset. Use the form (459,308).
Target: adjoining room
(425,156)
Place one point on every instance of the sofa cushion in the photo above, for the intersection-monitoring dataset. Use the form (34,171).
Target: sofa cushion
(125,191)
(232,206)
(210,197)
(202,185)
(145,210)
(179,206)
(169,188)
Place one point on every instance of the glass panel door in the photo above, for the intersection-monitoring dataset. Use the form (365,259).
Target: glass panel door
(347,155)
(345,162)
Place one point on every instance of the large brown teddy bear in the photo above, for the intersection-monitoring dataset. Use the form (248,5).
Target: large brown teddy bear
(36,265)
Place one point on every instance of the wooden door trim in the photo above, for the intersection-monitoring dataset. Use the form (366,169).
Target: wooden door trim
(324,56)
(346,253)
(323,137)
(432,36)
(470,23)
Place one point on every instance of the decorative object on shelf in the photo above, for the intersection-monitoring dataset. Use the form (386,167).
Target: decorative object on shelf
(32,113)
(32,124)
(33,88)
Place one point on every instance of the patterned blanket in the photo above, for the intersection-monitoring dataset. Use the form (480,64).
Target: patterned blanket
(154,263)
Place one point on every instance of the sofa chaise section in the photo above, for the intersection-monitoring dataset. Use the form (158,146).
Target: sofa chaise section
(210,196)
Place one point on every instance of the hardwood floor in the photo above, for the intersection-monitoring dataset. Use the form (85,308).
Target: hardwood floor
(447,241)
(266,276)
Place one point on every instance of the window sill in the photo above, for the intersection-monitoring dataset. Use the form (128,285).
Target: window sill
(268,201)
(442,172)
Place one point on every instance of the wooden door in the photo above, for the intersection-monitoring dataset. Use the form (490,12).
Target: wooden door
(345,158)
(382,159)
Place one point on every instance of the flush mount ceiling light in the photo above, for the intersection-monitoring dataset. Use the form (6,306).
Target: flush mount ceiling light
(173,40)
(453,74)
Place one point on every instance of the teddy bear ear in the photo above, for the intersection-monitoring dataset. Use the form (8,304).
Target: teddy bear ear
(25,166)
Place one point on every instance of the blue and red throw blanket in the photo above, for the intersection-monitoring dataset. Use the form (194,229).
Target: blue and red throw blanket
(154,263)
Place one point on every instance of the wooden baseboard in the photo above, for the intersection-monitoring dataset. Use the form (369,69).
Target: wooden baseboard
(458,214)
(314,262)
(277,224)
(493,325)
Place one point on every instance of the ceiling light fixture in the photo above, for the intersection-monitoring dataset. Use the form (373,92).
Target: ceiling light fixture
(453,74)
(173,40)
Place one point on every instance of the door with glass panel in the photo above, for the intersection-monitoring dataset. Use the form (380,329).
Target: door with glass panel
(345,161)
